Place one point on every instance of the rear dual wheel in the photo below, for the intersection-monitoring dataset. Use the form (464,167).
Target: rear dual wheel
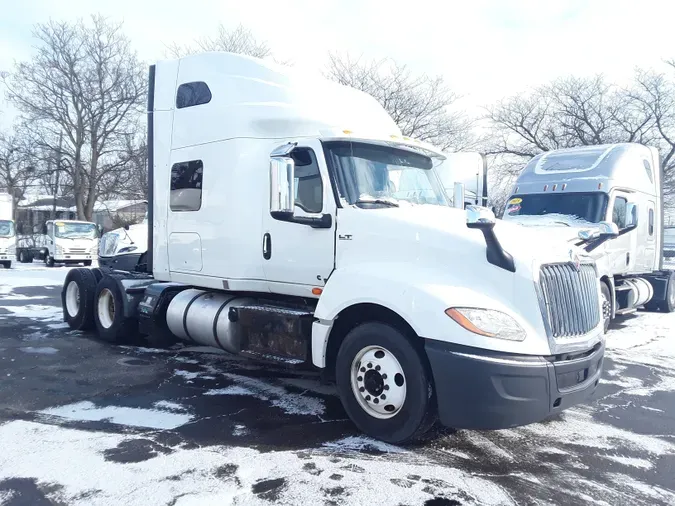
(384,383)
(111,323)
(77,298)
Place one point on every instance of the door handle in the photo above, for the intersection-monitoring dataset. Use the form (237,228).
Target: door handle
(267,246)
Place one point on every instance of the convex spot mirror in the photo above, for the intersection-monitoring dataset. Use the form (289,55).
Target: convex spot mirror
(479,217)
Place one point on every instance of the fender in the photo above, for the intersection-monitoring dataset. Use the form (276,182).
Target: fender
(422,305)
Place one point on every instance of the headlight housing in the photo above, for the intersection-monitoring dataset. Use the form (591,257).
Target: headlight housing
(59,250)
(487,322)
(11,249)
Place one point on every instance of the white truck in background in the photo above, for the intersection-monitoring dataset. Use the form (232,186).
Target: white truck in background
(7,231)
(64,242)
(567,192)
(290,222)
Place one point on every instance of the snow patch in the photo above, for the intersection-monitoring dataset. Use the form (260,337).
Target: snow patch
(631,461)
(233,390)
(42,350)
(62,325)
(240,430)
(121,415)
(360,443)
(36,312)
(171,406)
(290,403)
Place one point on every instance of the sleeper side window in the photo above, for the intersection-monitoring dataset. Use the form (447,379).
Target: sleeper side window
(308,184)
(651,222)
(191,94)
(619,212)
(186,186)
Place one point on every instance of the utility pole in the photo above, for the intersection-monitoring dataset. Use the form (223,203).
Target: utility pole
(58,173)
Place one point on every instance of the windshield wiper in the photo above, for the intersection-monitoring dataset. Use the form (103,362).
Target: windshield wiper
(374,200)
(563,223)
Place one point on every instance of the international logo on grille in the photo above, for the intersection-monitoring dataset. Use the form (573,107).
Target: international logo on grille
(574,259)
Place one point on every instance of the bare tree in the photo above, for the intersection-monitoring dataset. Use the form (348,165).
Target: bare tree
(240,40)
(85,81)
(419,104)
(17,169)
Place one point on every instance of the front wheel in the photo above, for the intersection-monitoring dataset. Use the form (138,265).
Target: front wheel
(87,263)
(23,257)
(7,265)
(49,260)
(384,384)
(606,305)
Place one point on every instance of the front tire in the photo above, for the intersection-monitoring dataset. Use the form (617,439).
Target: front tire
(384,384)
(87,263)
(23,257)
(606,299)
(111,324)
(49,260)
(77,298)
(7,265)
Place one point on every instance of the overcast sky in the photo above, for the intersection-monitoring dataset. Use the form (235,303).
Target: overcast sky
(485,49)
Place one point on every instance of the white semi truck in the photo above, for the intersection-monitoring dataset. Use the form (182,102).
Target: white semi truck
(61,242)
(280,229)
(566,193)
(7,231)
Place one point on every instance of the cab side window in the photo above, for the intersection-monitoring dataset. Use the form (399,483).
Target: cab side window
(308,184)
(619,212)
(186,186)
(651,221)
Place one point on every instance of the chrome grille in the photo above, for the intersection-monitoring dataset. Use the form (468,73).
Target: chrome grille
(570,296)
(77,251)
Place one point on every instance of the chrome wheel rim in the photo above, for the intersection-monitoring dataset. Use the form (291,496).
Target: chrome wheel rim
(378,382)
(106,308)
(72,299)
(606,308)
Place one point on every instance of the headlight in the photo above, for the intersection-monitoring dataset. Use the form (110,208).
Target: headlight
(127,249)
(11,249)
(487,322)
(59,250)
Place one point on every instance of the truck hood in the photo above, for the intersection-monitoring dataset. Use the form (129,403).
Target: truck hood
(554,226)
(431,226)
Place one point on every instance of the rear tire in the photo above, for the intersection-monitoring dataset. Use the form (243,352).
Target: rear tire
(23,257)
(384,384)
(77,298)
(606,301)
(111,324)
(668,305)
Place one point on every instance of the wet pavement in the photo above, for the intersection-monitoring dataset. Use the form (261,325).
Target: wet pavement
(85,422)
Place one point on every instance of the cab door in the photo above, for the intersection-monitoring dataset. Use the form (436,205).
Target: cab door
(296,255)
(620,250)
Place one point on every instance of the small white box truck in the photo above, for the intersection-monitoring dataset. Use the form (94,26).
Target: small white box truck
(7,231)
(566,193)
(64,242)
(290,222)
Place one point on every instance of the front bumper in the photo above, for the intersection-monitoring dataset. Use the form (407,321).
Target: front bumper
(480,389)
(67,257)
(6,257)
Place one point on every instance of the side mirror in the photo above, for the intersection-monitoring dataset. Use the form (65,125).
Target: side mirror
(100,229)
(631,215)
(479,217)
(458,196)
(608,229)
(282,181)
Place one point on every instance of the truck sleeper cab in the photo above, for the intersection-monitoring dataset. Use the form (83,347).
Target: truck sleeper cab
(281,235)
(569,192)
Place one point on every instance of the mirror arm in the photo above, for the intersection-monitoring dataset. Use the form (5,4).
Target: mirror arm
(495,253)
(628,229)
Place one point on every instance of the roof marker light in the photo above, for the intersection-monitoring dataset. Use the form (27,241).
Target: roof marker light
(348,132)
(599,186)
(564,186)
(554,187)
(545,187)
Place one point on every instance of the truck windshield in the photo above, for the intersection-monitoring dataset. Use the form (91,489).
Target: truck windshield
(75,230)
(373,175)
(6,228)
(588,207)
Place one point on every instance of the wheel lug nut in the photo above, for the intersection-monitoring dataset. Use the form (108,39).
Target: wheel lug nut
(359,378)
(386,387)
(370,366)
(383,397)
(362,389)
(363,369)
(376,400)
(384,376)
(367,397)
(377,367)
